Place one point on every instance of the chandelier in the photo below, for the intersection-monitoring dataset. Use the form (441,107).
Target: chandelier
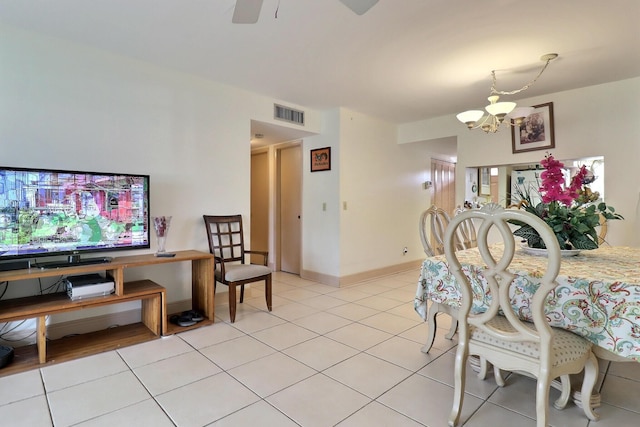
(498,111)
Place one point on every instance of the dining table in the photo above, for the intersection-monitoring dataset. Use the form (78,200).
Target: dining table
(597,294)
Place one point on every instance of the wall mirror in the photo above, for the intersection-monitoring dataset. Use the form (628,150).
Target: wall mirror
(500,180)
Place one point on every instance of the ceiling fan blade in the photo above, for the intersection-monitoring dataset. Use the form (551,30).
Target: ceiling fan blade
(360,7)
(246,11)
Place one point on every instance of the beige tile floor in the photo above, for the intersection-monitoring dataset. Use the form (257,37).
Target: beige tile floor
(325,356)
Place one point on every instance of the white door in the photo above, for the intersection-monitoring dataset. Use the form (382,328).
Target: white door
(443,175)
(290,207)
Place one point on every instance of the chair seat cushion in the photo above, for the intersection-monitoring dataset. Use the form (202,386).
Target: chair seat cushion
(236,272)
(566,346)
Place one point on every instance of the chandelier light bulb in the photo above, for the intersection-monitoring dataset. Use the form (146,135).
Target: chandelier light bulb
(499,109)
(470,117)
(519,114)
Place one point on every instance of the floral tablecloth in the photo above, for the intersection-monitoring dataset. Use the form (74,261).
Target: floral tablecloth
(597,297)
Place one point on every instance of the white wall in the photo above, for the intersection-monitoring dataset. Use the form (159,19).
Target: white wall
(321,228)
(65,106)
(592,121)
(381,183)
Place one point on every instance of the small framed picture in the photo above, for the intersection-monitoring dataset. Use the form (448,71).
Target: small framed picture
(535,132)
(321,159)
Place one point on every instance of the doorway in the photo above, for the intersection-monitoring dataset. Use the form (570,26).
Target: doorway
(443,194)
(285,221)
(276,187)
(443,176)
(259,239)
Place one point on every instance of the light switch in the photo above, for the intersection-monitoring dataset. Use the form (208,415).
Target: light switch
(344,206)
(324,206)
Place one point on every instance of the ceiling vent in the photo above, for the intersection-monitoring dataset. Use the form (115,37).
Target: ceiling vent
(281,112)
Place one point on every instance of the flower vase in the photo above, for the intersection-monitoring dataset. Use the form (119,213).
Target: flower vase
(543,252)
(161,225)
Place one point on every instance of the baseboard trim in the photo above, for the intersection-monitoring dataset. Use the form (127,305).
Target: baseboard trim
(325,279)
(379,272)
(360,277)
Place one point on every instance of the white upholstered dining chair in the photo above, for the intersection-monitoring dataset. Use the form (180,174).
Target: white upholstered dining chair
(467,230)
(498,335)
(433,223)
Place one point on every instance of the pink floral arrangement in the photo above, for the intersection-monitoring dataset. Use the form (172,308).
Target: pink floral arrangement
(570,211)
(552,188)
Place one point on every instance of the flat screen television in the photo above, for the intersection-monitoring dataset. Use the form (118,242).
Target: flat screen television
(46,212)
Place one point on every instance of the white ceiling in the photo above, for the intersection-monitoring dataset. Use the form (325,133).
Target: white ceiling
(402,61)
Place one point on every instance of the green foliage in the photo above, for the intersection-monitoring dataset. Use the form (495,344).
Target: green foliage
(574,226)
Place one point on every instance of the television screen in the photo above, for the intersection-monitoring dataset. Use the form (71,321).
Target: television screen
(53,212)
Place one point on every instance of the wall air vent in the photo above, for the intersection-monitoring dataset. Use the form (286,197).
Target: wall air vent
(281,112)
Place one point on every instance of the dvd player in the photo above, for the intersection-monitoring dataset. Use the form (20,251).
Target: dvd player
(89,285)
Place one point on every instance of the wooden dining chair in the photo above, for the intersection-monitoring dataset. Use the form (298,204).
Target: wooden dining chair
(602,233)
(499,335)
(226,243)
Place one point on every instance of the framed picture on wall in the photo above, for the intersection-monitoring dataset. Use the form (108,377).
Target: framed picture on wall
(321,159)
(536,131)
(484,178)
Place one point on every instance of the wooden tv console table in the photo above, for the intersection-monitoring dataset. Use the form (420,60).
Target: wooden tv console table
(154,321)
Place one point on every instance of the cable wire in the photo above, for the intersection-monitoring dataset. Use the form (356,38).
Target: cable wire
(525,87)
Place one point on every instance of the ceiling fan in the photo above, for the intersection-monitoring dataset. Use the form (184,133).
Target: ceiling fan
(248,11)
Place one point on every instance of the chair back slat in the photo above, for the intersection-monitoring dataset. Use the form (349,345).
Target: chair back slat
(467,230)
(226,237)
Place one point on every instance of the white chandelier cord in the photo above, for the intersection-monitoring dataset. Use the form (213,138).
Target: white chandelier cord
(497,110)
(525,87)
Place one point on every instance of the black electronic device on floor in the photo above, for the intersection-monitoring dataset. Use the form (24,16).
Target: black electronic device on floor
(6,355)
